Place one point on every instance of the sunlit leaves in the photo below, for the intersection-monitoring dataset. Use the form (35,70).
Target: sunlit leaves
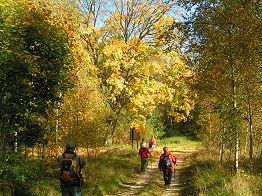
(147,77)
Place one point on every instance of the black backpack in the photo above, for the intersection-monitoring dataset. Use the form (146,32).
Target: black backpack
(70,169)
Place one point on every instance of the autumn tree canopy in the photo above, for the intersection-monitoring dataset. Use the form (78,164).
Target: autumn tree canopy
(138,66)
(120,60)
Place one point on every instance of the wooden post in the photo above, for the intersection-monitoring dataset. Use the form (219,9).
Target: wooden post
(132,136)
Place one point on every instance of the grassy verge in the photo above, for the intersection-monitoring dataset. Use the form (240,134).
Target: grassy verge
(105,174)
(26,177)
(207,177)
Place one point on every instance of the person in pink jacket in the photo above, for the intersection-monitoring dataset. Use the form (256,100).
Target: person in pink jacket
(167,164)
(152,143)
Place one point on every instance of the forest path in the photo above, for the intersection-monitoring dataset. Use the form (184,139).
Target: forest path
(178,178)
(138,182)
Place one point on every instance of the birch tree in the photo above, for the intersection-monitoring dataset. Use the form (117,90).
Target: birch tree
(226,56)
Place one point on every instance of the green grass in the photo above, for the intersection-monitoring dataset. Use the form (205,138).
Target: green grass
(105,173)
(206,176)
(180,143)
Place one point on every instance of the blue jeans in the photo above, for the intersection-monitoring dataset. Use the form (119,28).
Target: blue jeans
(73,190)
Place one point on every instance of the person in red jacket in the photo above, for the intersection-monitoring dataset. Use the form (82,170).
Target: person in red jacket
(144,155)
(152,143)
(167,165)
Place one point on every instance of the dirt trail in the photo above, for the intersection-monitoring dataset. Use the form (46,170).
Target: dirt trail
(177,182)
(136,183)
(133,186)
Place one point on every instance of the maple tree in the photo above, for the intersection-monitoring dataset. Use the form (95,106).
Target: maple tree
(138,67)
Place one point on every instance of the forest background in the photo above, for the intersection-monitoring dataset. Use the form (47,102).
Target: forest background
(97,70)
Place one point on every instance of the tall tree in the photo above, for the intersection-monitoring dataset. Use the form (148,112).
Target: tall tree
(226,54)
(137,71)
(35,61)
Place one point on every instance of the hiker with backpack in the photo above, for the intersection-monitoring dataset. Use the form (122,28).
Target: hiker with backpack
(144,155)
(70,165)
(167,165)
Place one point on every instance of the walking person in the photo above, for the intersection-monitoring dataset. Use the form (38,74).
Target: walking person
(152,143)
(144,155)
(70,165)
(167,165)
(142,143)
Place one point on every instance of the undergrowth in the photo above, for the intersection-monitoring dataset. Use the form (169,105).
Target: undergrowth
(103,174)
(206,176)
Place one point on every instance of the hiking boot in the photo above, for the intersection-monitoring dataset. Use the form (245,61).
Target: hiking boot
(167,187)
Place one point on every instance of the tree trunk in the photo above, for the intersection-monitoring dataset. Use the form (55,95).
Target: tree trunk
(246,143)
(222,146)
(15,142)
(237,138)
(210,133)
(56,126)
(237,151)
(3,135)
(250,132)
(235,122)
